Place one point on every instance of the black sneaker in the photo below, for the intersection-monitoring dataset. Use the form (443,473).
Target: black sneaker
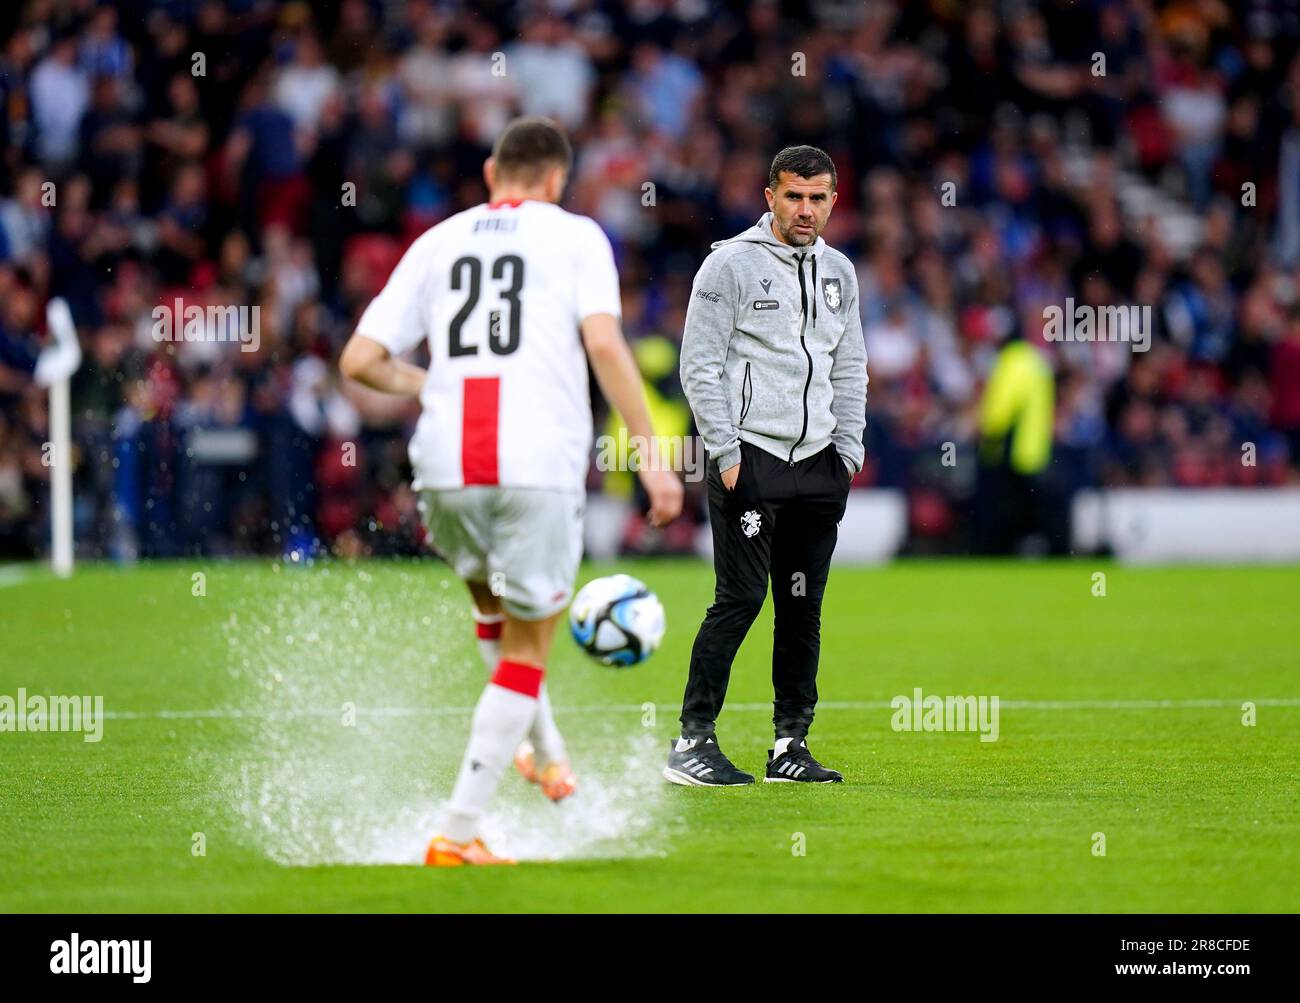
(797,766)
(700,763)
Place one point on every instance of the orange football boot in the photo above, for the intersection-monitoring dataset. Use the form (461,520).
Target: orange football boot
(443,852)
(556,780)
(526,761)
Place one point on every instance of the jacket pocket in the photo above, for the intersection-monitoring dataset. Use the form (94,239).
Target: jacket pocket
(746,394)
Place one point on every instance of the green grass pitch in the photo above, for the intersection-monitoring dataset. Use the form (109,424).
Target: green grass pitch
(281,742)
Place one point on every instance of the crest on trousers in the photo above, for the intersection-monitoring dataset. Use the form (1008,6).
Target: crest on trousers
(751,522)
(832,294)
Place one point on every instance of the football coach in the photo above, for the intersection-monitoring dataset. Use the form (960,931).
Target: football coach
(775,371)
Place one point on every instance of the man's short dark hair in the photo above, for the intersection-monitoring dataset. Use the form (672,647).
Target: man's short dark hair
(802,162)
(528,147)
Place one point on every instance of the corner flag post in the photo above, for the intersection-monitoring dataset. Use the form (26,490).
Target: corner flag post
(54,369)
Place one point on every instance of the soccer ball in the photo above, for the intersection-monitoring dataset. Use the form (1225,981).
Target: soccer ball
(617,620)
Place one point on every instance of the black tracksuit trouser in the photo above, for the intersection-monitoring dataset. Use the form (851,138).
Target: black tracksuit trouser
(780,521)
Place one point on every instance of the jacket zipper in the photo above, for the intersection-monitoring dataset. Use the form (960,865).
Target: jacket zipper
(803,324)
(746,395)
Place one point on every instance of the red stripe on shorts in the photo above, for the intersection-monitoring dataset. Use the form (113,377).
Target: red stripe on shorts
(519,676)
(479,430)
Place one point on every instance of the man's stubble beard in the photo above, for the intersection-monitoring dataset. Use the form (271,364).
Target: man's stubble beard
(793,239)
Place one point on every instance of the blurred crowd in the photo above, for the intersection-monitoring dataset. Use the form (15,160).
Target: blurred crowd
(994,159)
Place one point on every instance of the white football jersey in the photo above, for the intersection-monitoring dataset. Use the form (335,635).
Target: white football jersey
(498,291)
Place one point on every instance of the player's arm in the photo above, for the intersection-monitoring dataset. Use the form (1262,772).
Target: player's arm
(706,340)
(620,381)
(393,323)
(849,388)
(372,365)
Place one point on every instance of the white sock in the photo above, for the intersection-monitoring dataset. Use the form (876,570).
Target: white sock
(548,743)
(501,720)
(545,734)
(781,745)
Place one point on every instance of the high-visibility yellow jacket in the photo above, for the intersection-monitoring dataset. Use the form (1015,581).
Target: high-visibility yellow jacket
(1017,410)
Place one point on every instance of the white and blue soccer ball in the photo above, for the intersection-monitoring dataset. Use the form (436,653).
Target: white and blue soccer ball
(617,620)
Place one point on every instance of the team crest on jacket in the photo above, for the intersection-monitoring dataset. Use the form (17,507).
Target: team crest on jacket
(832,294)
(751,522)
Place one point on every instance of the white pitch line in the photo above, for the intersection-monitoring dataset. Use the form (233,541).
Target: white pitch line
(12,574)
(236,713)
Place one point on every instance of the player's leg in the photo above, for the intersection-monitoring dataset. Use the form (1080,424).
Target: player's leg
(502,717)
(742,521)
(488,622)
(537,548)
(801,557)
(544,745)
(534,546)
(459,528)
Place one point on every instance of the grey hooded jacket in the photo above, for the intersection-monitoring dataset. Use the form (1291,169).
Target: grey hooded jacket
(773,352)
